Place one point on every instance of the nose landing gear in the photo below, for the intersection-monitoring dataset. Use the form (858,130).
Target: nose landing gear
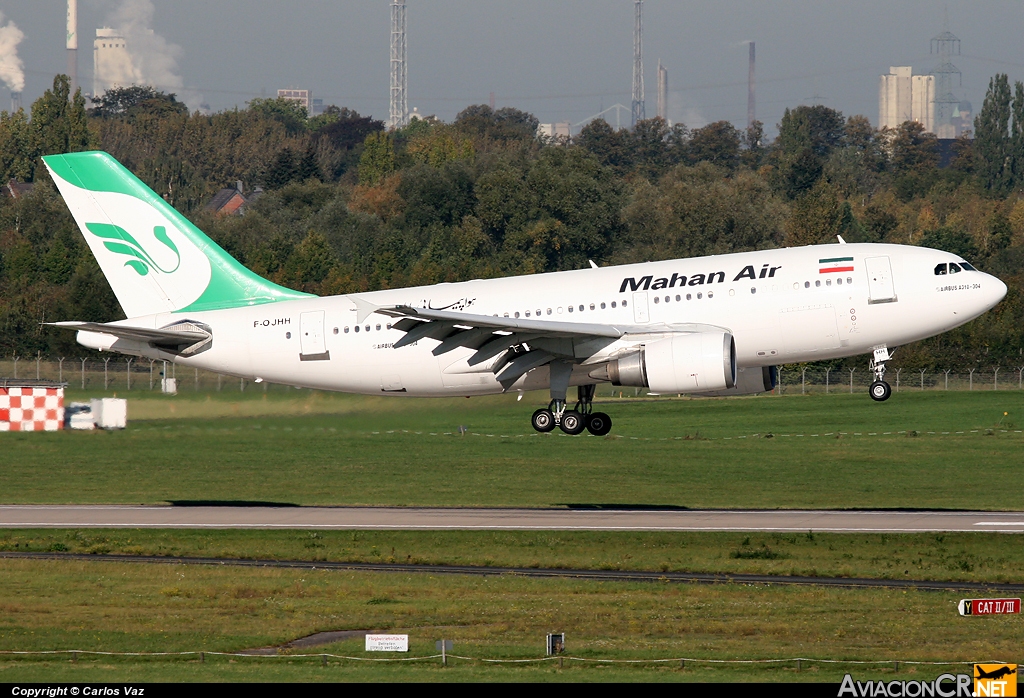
(879,390)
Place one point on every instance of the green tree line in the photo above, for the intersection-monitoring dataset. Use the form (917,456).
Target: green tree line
(349,206)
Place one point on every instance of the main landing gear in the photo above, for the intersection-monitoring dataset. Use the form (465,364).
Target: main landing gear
(879,390)
(574,421)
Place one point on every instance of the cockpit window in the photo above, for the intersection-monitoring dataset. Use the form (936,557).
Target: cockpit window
(954,268)
(967,267)
(940,269)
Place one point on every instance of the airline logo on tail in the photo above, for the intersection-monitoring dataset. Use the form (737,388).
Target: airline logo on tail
(128,246)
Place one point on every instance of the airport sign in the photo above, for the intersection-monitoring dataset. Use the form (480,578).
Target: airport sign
(988,607)
(387,643)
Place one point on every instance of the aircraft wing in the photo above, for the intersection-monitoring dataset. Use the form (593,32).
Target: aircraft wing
(544,340)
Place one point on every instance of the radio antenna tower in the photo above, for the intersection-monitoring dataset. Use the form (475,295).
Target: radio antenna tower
(638,62)
(399,108)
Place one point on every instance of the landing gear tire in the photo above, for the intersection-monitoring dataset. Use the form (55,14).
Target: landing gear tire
(573,423)
(880,391)
(543,420)
(599,424)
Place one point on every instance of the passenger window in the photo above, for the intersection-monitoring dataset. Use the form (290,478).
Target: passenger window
(527,313)
(591,306)
(506,314)
(602,306)
(613,304)
(953,268)
(657,299)
(940,269)
(839,282)
(623,304)
(679,298)
(667,299)
(817,284)
(378,328)
(570,308)
(335,330)
(753,289)
(849,279)
(389,325)
(367,328)
(689,296)
(346,330)
(699,296)
(711,294)
(517,314)
(357,328)
(549,311)
(828,282)
(807,284)
(581,308)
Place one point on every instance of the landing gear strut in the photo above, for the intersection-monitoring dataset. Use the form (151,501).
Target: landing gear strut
(574,421)
(879,390)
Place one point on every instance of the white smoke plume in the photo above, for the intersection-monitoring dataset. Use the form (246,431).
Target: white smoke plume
(12,70)
(154,58)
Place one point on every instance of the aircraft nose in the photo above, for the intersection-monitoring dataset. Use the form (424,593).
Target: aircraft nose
(996,289)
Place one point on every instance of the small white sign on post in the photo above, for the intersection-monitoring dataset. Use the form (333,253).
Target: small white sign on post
(387,643)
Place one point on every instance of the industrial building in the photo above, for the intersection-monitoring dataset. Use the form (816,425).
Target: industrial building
(903,96)
(303,97)
(112,64)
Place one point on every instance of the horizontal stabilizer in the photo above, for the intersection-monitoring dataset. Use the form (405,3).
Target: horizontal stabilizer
(186,338)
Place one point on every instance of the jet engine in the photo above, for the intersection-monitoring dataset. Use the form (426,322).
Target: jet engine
(750,380)
(685,363)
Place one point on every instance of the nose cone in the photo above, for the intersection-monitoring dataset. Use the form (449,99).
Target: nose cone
(995,290)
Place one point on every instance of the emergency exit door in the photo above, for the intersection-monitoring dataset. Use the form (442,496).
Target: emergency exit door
(311,337)
(641,311)
(880,285)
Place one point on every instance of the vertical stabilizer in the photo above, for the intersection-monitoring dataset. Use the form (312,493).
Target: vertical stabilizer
(153,257)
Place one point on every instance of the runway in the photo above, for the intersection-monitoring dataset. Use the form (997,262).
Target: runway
(580,519)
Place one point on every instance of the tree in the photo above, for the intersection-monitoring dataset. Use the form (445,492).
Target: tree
(16,153)
(59,121)
(288,112)
(818,216)
(134,101)
(378,159)
(993,157)
(505,124)
(604,143)
(717,143)
(807,136)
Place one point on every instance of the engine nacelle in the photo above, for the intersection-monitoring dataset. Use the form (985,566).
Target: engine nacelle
(749,381)
(686,363)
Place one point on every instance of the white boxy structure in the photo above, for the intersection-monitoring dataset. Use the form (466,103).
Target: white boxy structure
(110,413)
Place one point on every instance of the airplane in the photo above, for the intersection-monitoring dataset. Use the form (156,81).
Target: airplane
(714,326)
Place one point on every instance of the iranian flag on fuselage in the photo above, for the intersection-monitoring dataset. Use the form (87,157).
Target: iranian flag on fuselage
(835,264)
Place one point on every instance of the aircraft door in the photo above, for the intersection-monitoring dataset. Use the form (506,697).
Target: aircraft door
(311,337)
(641,311)
(880,286)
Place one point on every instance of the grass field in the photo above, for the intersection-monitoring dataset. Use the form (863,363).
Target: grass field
(120,607)
(919,450)
(969,557)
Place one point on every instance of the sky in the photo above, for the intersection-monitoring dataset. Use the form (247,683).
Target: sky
(562,60)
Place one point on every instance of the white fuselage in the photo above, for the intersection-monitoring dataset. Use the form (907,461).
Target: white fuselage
(782,306)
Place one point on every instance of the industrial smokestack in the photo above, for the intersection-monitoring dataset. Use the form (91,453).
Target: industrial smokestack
(72,44)
(15,101)
(662,92)
(751,102)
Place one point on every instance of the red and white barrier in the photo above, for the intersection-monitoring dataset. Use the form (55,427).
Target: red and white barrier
(31,409)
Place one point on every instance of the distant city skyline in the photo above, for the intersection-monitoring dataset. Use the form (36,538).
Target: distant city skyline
(562,60)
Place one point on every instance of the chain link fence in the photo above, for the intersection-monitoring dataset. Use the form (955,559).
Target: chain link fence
(119,373)
(795,379)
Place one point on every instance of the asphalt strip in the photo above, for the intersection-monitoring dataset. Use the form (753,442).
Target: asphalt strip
(548,573)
